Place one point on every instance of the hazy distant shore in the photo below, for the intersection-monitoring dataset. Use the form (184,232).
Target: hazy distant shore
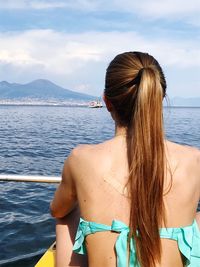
(39,102)
(43,92)
(64,103)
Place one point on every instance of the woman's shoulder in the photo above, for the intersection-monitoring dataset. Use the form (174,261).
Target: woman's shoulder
(88,164)
(87,156)
(187,158)
(185,151)
(85,151)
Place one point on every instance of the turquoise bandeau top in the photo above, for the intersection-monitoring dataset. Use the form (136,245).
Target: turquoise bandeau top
(188,239)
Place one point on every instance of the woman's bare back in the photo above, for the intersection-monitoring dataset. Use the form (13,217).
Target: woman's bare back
(101,174)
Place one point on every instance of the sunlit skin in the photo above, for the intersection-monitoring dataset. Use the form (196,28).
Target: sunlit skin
(65,234)
(85,179)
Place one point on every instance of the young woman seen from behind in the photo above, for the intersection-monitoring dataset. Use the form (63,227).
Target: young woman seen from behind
(137,192)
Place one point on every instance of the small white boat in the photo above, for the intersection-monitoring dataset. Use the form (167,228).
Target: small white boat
(95,104)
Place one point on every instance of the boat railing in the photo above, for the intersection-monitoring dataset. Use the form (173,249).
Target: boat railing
(36,179)
(30,178)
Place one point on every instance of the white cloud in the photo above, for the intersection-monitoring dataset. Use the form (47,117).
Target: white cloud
(157,8)
(17,57)
(153,8)
(176,10)
(46,5)
(31,4)
(48,47)
(79,60)
(83,88)
(85,5)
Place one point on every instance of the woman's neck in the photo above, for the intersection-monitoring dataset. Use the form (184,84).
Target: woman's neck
(120,131)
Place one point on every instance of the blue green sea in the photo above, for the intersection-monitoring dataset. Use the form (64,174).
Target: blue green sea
(35,140)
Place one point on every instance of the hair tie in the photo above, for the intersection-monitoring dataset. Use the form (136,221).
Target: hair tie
(141,71)
(137,79)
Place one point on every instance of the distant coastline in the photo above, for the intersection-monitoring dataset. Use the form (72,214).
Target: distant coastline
(72,103)
(182,102)
(39,102)
(168,107)
(46,93)
(69,104)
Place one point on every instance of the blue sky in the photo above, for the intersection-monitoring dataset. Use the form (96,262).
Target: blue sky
(71,42)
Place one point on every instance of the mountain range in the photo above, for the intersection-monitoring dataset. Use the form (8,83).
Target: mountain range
(184,102)
(46,90)
(39,89)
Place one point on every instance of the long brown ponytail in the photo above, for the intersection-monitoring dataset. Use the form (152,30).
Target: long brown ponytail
(135,85)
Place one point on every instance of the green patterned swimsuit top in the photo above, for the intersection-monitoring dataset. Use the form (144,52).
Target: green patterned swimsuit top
(188,239)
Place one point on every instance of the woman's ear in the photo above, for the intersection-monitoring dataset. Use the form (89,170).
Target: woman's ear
(109,105)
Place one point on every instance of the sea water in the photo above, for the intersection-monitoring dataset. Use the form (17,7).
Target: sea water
(35,140)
